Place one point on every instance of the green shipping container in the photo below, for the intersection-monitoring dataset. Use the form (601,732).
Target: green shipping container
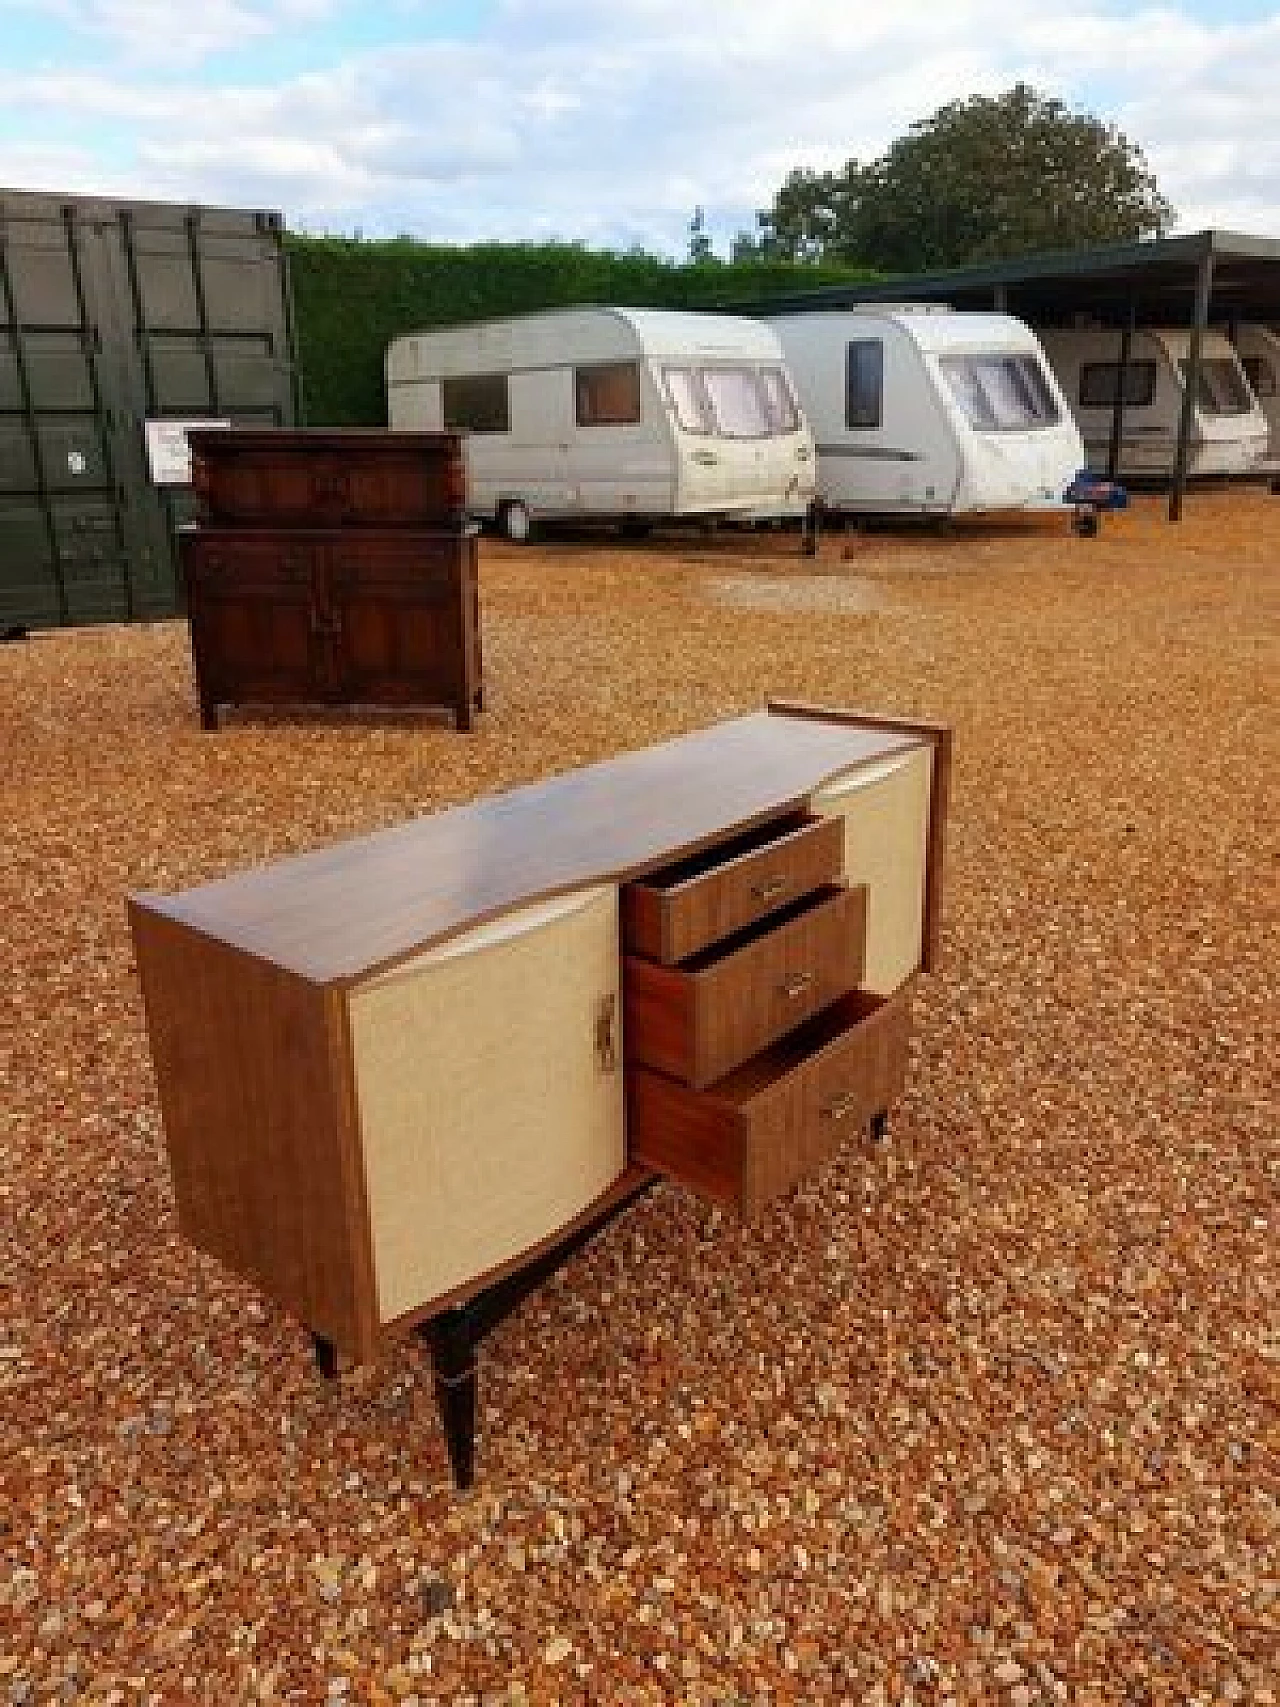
(116,318)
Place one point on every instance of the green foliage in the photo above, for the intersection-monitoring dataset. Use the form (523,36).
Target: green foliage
(351,298)
(981,180)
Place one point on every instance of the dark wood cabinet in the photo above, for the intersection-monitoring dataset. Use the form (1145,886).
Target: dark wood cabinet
(333,618)
(312,478)
(332,568)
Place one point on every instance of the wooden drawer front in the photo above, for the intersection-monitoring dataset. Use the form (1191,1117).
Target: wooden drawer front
(699,1021)
(329,480)
(762,1129)
(671,915)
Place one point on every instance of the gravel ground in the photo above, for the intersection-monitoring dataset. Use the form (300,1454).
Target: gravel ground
(989,1414)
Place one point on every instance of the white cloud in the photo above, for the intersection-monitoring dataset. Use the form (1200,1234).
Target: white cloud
(610,123)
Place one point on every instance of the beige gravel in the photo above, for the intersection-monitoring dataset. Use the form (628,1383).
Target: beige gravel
(987,1415)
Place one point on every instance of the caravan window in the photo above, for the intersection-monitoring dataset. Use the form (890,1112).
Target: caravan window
(741,409)
(1222,390)
(1260,374)
(784,415)
(476,404)
(684,388)
(1001,394)
(864,389)
(1100,381)
(607,393)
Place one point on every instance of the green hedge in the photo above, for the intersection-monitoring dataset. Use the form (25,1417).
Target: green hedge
(352,297)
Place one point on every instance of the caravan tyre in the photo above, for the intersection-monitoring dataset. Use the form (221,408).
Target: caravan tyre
(516,522)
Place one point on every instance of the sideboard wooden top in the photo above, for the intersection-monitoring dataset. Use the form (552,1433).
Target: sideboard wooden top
(342,912)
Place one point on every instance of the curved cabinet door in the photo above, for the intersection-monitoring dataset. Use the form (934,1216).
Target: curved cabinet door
(488,1078)
(885,809)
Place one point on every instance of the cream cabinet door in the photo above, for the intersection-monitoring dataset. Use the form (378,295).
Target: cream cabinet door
(885,808)
(490,1106)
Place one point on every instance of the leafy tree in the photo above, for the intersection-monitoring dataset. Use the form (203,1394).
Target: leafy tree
(700,250)
(981,179)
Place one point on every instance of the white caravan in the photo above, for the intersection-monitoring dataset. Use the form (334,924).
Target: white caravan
(1259,350)
(919,409)
(1228,430)
(610,414)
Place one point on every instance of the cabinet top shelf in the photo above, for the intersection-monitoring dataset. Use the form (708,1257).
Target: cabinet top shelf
(341,913)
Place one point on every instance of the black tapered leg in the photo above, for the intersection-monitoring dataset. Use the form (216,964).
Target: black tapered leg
(326,1356)
(452,1340)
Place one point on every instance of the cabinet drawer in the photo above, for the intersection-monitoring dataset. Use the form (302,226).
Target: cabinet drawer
(701,1020)
(675,913)
(765,1127)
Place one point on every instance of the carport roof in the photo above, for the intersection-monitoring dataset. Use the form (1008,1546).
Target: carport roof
(1156,278)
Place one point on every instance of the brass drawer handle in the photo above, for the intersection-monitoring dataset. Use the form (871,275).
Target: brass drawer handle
(842,1107)
(793,987)
(771,887)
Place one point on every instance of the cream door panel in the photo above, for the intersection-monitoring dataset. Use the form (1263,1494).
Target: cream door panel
(885,807)
(487,1118)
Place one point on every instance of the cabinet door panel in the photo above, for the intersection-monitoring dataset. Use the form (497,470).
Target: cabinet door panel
(489,1114)
(253,627)
(885,809)
(397,605)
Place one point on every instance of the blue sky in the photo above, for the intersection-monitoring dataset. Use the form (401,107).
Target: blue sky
(605,121)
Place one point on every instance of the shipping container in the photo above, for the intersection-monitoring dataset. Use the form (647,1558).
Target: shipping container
(119,321)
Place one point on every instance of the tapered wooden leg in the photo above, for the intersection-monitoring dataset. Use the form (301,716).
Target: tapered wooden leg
(453,1360)
(326,1356)
(879,1126)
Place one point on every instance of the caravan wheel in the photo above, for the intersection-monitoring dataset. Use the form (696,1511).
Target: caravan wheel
(515,521)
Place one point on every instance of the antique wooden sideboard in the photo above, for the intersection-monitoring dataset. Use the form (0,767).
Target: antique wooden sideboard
(402,1074)
(332,568)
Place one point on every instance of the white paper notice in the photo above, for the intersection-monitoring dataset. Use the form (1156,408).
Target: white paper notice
(168,452)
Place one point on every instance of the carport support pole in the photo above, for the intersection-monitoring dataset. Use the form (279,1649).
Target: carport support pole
(1117,408)
(1191,383)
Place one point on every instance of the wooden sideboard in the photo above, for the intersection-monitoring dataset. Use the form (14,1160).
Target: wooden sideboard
(332,568)
(394,1070)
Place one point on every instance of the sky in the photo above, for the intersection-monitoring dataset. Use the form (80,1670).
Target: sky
(606,122)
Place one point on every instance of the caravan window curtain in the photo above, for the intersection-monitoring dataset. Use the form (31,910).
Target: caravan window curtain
(689,400)
(607,394)
(784,413)
(741,410)
(1222,389)
(1260,374)
(999,393)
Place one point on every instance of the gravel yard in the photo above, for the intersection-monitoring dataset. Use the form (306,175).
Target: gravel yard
(988,1414)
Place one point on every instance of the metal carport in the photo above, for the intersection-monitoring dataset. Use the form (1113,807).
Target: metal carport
(1205,278)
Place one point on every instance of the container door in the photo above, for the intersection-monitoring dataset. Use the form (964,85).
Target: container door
(206,305)
(112,315)
(63,541)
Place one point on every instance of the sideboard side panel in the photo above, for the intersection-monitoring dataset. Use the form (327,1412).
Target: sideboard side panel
(251,1095)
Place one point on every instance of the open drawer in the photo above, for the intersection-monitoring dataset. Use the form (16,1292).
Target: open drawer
(677,912)
(755,1133)
(701,1019)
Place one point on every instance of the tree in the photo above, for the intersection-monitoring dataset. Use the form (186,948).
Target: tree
(982,179)
(700,250)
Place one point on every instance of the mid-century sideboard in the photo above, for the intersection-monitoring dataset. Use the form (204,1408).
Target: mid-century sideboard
(397,1072)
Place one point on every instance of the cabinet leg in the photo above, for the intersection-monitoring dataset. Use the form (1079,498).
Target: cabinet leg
(208,715)
(879,1125)
(453,1361)
(326,1356)
(462,715)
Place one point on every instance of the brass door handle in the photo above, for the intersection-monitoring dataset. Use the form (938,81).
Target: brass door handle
(842,1107)
(793,987)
